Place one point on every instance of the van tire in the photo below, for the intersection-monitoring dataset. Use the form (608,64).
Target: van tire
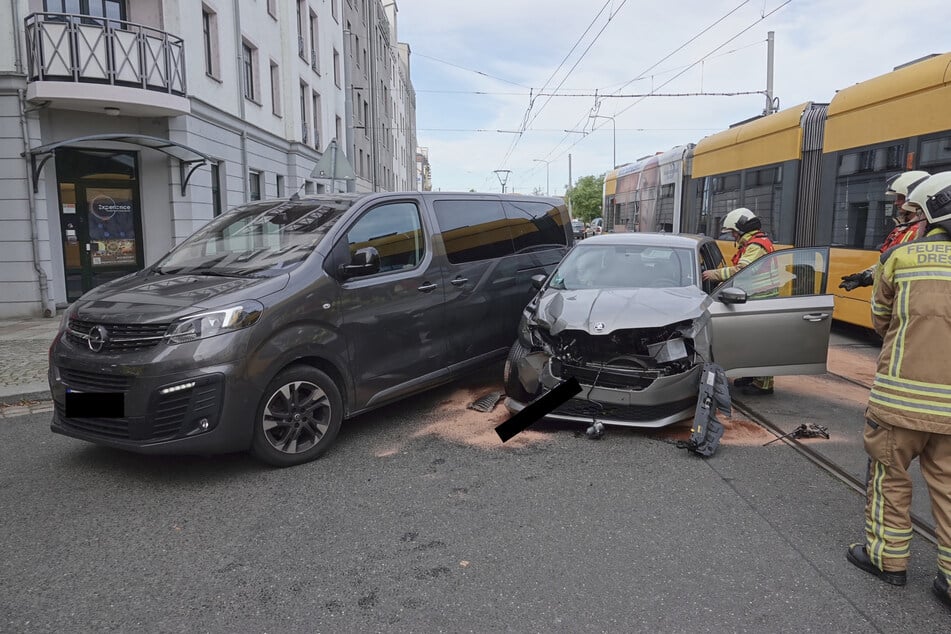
(316,426)
(513,387)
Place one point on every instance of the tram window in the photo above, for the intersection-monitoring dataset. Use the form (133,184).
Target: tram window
(935,151)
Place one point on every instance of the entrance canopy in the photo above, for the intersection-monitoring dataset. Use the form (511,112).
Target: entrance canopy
(189,159)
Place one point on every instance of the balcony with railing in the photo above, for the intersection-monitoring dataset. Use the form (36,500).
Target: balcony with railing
(81,62)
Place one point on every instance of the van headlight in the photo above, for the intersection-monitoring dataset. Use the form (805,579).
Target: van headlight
(216,322)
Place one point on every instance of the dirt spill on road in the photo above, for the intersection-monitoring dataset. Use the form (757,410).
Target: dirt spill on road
(737,430)
(456,423)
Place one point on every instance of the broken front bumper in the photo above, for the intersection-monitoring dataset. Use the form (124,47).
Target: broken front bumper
(665,401)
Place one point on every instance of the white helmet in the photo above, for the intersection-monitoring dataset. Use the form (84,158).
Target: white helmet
(741,220)
(901,184)
(933,196)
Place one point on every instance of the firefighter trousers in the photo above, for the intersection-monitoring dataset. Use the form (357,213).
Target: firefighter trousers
(887,510)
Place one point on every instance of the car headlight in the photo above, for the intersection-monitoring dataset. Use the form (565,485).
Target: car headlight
(216,322)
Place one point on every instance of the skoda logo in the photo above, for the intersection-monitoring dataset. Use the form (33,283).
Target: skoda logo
(97,337)
(598,326)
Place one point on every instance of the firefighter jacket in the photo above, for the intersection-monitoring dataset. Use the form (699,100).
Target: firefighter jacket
(751,246)
(911,309)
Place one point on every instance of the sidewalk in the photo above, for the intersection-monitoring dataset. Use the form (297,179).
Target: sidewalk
(24,346)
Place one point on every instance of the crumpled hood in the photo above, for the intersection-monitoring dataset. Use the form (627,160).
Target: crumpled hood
(619,309)
(144,298)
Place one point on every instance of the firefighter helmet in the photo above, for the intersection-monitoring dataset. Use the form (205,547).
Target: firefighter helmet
(901,184)
(741,220)
(933,196)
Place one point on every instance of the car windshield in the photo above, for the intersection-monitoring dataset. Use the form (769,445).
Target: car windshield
(263,239)
(626,266)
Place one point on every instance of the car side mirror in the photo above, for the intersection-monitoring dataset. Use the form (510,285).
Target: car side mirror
(538,281)
(732,295)
(365,261)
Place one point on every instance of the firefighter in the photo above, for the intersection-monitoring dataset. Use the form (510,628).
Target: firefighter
(751,244)
(909,408)
(908,223)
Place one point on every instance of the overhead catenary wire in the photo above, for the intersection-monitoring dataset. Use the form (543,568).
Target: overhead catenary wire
(699,61)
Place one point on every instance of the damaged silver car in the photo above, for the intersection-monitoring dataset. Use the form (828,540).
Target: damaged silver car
(630,317)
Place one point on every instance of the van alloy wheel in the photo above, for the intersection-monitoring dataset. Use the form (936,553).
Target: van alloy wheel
(298,418)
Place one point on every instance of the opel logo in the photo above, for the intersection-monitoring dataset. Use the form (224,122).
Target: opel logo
(98,336)
(598,326)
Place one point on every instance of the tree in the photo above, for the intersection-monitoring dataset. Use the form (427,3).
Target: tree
(587,197)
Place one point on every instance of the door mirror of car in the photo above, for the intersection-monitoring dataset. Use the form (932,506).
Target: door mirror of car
(732,295)
(538,281)
(365,261)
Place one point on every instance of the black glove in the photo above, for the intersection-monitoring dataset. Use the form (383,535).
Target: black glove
(851,282)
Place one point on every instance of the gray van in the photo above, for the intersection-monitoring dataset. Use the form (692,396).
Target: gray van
(278,320)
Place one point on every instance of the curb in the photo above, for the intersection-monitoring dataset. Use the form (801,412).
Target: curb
(26,396)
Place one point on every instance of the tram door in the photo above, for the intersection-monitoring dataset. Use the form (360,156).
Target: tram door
(100,218)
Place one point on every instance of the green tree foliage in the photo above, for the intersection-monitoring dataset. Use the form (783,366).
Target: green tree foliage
(587,197)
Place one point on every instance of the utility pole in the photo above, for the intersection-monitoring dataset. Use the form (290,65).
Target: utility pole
(770,106)
(503,176)
(570,185)
(547,180)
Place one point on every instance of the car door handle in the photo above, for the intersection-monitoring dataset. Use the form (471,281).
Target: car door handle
(815,316)
(427,288)
(459,281)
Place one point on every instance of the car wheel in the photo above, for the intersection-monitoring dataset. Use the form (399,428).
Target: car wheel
(513,387)
(298,418)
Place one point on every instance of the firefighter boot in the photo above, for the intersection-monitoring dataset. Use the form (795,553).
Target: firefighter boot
(940,588)
(858,556)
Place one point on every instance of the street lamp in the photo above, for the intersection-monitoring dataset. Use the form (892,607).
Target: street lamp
(613,136)
(547,181)
(503,177)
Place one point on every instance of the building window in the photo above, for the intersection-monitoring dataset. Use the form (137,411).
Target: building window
(304,118)
(209,27)
(275,88)
(318,118)
(338,127)
(360,164)
(280,186)
(272,8)
(249,61)
(366,118)
(308,187)
(334,10)
(301,49)
(215,190)
(336,67)
(314,43)
(111,9)
(254,185)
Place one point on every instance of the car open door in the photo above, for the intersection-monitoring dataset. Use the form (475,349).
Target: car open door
(774,316)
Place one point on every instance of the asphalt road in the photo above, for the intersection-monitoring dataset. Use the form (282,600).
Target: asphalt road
(415,522)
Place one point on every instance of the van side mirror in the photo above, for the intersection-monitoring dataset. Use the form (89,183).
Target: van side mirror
(365,261)
(732,295)
(538,281)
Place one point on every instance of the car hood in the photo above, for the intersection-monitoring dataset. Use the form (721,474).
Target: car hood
(619,309)
(145,298)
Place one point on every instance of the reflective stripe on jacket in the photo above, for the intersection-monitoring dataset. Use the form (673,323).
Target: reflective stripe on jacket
(911,309)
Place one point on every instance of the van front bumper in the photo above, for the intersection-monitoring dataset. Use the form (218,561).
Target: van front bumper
(169,406)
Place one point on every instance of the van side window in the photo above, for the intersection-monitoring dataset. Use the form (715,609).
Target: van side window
(395,231)
(535,224)
(473,230)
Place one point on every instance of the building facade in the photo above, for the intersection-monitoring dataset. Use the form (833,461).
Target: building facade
(424,174)
(126,125)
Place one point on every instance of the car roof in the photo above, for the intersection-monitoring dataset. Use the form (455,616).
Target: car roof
(684,240)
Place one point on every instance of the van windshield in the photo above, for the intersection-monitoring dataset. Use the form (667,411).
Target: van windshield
(261,238)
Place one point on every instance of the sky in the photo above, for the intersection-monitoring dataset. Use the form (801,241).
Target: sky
(512,84)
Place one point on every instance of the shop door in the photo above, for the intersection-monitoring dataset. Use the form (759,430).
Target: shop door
(101,230)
